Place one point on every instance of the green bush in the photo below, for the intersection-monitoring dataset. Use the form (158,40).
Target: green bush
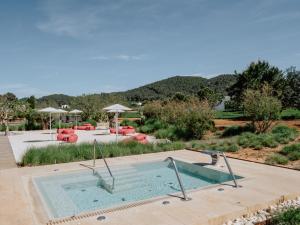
(277,159)
(290,114)
(290,216)
(129,123)
(78,152)
(278,135)
(169,133)
(93,122)
(237,130)
(291,151)
(284,134)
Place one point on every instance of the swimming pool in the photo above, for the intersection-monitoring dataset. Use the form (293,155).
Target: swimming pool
(81,191)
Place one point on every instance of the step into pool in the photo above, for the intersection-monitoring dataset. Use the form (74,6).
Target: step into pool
(81,191)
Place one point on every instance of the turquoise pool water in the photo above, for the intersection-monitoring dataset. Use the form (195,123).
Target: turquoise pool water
(81,191)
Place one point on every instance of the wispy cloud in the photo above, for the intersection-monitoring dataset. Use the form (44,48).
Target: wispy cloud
(22,90)
(121,57)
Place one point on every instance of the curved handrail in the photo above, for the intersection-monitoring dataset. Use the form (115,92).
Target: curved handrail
(178,178)
(102,156)
(226,162)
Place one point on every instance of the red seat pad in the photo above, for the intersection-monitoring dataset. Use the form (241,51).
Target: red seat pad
(140,137)
(72,138)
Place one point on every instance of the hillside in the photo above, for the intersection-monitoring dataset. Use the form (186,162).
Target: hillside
(158,90)
(184,84)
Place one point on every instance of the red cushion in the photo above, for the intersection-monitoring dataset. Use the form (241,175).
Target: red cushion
(140,137)
(72,138)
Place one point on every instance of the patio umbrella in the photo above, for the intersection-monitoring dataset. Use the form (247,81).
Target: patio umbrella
(60,111)
(76,111)
(117,109)
(49,110)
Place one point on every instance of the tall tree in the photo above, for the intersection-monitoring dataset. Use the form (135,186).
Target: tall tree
(254,77)
(10,107)
(291,93)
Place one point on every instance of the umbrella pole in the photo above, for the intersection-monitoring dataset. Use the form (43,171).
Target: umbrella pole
(59,122)
(51,128)
(76,120)
(117,127)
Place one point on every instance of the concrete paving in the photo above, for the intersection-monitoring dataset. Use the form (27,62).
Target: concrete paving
(263,185)
(7,159)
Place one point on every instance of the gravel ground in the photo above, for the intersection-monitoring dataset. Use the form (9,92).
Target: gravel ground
(265,214)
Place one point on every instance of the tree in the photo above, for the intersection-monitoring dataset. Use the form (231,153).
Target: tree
(254,77)
(291,93)
(10,107)
(261,107)
(210,95)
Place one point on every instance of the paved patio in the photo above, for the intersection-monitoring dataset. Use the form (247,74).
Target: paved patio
(7,159)
(263,185)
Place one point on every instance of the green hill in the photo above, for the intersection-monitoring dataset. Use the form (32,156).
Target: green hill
(185,84)
(162,89)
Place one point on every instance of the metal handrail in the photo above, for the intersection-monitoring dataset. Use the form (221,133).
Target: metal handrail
(178,178)
(102,155)
(226,161)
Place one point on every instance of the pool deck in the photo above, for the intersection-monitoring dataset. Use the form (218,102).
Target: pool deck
(263,185)
(7,159)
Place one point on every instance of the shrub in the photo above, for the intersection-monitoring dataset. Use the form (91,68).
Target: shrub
(192,118)
(237,130)
(284,134)
(279,135)
(129,123)
(261,107)
(290,216)
(277,159)
(291,151)
(93,122)
(290,114)
(169,133)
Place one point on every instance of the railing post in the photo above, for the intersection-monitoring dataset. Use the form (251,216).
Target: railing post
(230,170)
(179,179)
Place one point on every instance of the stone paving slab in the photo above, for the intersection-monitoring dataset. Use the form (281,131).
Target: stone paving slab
(7,159)
(263,185)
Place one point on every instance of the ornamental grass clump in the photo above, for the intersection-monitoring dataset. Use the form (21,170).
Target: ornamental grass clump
(79,152)
(277,159)
(292,152)
(278,135)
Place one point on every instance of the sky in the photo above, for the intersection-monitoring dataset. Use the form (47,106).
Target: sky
(92,46)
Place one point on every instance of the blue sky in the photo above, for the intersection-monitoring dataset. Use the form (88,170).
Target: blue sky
(93,46)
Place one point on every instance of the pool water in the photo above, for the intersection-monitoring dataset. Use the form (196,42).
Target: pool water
(81,191)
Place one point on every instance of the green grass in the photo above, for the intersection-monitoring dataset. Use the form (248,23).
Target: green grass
(290,114)
(229,115)
(290,216)
(79,152)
